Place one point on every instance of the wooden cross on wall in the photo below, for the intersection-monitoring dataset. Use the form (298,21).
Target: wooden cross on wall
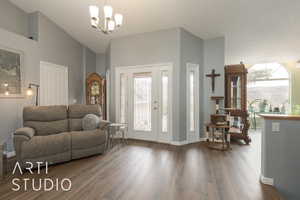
(213,75)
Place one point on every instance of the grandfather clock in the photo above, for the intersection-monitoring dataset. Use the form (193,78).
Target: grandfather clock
(96,91)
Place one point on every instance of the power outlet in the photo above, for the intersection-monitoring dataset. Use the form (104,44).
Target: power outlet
(275,127)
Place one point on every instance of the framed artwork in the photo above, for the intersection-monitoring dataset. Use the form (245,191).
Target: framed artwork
(11,73)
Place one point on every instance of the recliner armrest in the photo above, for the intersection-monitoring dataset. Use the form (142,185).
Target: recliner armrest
(103,124)
(25,132)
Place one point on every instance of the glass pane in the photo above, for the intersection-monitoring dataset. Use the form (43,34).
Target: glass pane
(236,92)
(165,93)
(192,101)
(142,101)
(123,98)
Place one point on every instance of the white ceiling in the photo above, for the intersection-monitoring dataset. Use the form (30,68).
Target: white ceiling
(242,22)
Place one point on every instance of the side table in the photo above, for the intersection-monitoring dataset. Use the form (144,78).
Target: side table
(112,130)
(224,135)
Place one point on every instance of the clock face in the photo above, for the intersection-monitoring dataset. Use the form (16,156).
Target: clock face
(95,88)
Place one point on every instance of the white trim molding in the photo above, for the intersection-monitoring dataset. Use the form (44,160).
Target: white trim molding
(266,180)
(193,135)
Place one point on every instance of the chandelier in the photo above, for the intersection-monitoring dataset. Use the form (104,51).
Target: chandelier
(110,23)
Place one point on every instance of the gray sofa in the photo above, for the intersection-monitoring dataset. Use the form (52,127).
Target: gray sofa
(54,134)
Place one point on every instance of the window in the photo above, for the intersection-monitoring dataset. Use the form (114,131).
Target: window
(269,82)
(164,95)
(142,101)
(123,98)
(192,101)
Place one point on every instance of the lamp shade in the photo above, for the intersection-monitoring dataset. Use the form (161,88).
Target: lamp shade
(111,25)
(29,92)
(108,11)
(6,93)
(94,12)
(118,19)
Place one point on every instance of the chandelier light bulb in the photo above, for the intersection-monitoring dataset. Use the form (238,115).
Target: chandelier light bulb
(94,23)
(111,25)
(108,12)
(6,93)
(110,21)
(118,19)
(94,12)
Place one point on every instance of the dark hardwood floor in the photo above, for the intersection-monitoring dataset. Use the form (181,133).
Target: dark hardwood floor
(144,170)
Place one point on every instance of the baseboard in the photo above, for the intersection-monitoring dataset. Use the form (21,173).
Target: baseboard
(266,180)
(179,143)
(185,142)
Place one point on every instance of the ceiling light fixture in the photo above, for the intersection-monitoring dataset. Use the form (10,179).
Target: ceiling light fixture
(110,23)
(298,64)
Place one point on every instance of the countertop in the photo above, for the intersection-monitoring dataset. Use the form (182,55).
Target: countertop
(280,117)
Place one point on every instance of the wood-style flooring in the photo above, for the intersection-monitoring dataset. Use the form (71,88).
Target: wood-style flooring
(151,171)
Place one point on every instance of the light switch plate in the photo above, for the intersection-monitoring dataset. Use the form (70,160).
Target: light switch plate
(275,127)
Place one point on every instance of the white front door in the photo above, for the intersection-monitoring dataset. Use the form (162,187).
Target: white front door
(143,101)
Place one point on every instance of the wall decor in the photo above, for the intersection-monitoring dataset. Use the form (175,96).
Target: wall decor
(11,73)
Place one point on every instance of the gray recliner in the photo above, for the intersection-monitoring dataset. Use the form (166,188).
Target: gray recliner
(54,134)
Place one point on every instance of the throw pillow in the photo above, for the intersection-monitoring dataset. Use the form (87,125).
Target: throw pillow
(90,122)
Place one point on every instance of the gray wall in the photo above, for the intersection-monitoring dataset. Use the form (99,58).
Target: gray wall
(11,109)
(101,64)
(13,19)
(214,58)
(191,50)
(56,46)
(90,62)
(148,48)
(281,157)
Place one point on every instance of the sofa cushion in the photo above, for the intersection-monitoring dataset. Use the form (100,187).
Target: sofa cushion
(46,120)
(41,146)
(76,112)
(44,113)
(48,128)
(87,139)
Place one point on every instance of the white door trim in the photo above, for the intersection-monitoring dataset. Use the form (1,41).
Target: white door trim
(193,136)
(130,69)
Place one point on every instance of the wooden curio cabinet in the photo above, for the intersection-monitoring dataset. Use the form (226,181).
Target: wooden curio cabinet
(236,98)
(96,91)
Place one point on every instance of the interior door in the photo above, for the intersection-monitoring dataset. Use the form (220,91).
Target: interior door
(53,84)
(143,102)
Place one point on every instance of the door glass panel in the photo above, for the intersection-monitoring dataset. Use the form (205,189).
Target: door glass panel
(142,101)
(164,95)
(192,101)
(123,98)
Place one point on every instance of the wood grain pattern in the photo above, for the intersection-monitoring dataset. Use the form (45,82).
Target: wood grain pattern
(151,171)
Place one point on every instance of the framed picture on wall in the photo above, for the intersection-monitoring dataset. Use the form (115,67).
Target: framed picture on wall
(11,73)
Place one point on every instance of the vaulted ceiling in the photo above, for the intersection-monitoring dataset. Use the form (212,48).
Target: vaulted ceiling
(243,22)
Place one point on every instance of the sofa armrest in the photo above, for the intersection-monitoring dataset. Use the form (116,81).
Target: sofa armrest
(25,132)
(103,124)
(22,135)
